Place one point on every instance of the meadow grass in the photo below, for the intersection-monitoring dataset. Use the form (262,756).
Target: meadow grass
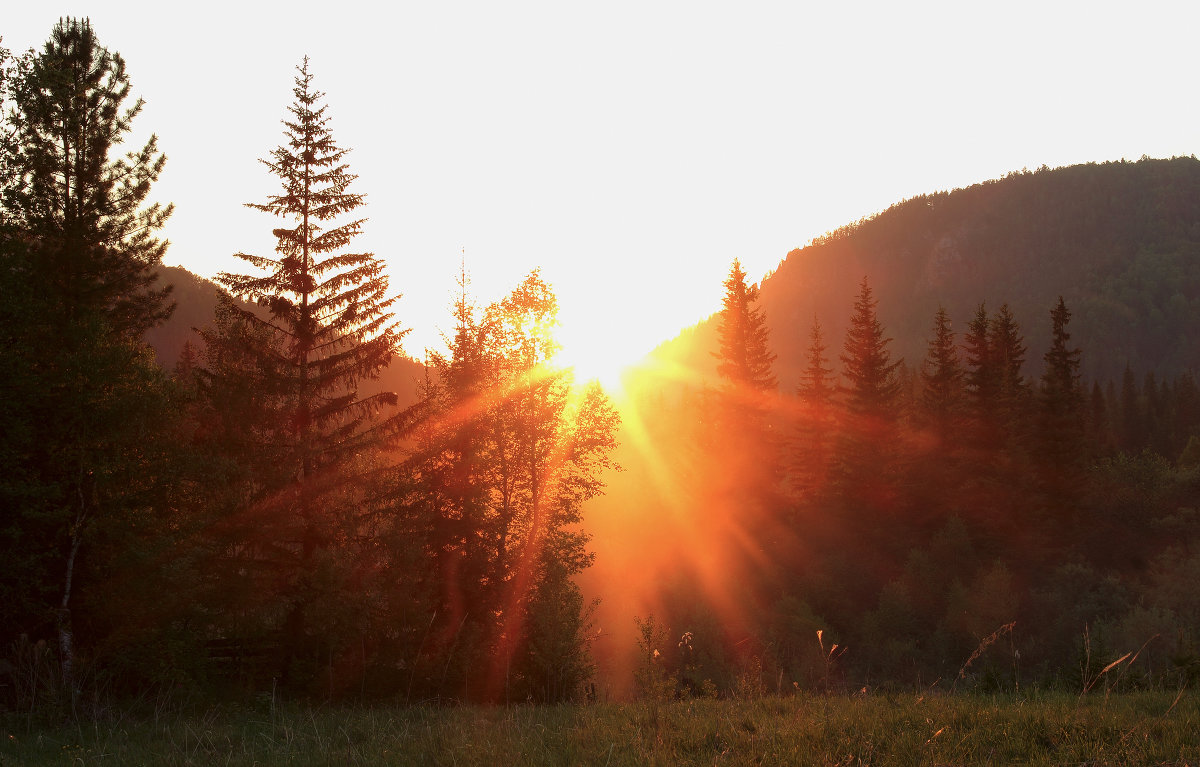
(1049,729)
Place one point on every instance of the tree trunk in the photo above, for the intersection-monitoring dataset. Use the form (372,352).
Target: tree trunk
(66,634)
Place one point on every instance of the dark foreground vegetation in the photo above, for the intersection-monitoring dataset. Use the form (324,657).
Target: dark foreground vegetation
(877,729)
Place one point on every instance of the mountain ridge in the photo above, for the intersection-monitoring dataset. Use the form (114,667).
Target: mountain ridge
(1120,241)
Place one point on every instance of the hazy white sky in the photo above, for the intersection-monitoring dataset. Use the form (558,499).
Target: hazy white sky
(630,149)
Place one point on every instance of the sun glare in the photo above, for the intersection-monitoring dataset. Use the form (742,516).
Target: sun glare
(593,356)
(596,363)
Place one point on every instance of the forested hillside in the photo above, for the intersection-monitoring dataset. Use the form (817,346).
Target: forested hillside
(1119,241)
(196,301)
(985,434)
(956,521)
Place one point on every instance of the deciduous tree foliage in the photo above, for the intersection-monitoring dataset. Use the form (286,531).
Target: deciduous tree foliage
(503,468)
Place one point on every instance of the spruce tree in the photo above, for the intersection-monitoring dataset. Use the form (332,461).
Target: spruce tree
(1060,428)
(997,392)
(941,376)
(742,409)
(84,404)
(981,373)
(742,429)
(817,421)
(871,397)
(330,309)
(871,385)
(1061,396)
(80,208)
(817,385)
(326,327)
(1007,347)
(744,356)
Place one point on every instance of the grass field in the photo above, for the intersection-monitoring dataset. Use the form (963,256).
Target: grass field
(1051,729)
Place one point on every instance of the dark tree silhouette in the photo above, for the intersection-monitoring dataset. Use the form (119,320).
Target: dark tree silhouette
(83,401)
(744,355)
(1061,404)
(81,208)
(870,383)
(817,383)
(981,374)
(942,381)
(868,449)
(326,327)
(817,422)
(1007,347)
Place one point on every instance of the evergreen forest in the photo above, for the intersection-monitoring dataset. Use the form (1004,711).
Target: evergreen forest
(954,446)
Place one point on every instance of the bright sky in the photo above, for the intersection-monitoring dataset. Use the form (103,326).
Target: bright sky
(630,149)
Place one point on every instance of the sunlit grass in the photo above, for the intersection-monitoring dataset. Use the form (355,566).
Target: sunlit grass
(872,729)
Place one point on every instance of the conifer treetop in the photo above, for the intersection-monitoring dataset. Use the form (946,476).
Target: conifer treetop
(66,188)
(330,308)
(871,384)
(816,381)
(744,355)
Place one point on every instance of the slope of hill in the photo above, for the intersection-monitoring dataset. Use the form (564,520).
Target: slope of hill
(1119,241)
(195,301)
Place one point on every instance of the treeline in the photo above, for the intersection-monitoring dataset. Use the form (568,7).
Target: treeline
(263,517)
(1160,417)
(1119,240)
(953,522)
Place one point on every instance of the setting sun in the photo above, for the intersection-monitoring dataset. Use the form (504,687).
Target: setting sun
(593,356)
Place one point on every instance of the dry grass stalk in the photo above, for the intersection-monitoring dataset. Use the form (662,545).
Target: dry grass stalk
(985,643)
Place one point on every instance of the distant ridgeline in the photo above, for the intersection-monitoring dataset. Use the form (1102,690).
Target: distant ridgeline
(195,301)
(1119,241)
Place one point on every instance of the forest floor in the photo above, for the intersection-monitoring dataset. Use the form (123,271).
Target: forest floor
(945,729)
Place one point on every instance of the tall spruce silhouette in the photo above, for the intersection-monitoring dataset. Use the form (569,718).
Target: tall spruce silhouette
(328,327)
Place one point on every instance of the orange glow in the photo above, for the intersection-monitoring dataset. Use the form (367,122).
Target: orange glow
(593,356)
(667,523)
